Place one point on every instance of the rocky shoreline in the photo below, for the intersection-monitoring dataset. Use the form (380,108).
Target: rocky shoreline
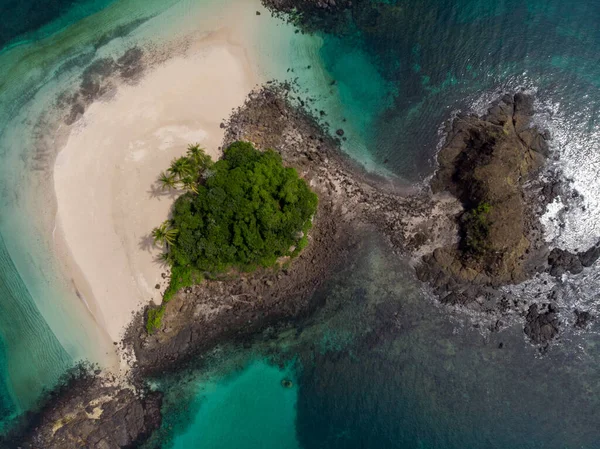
(425,225)
(92,410)
(350,201)
(494,160)
(494,166)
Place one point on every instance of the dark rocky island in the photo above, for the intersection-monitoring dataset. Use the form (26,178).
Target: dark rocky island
(493,165)
(486,163)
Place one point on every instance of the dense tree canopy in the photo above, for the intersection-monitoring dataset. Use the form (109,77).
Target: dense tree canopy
(249,211)
(242,212)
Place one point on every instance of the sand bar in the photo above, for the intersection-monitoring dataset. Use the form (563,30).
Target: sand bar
(104,177)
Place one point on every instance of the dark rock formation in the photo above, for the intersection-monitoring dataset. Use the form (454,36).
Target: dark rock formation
(492,165)
(306,6)
(561,261)
(485,163)
(589,257)
(583,318)
(92,413)
(542,325)
(311,15)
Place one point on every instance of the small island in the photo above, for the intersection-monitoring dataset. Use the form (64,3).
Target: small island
(243,212)
(238,223)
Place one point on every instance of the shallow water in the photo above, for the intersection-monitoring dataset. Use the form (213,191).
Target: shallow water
(381,365)
(253,401)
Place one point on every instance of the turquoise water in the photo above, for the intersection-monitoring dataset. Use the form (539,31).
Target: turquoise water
(31,356)
(253,401)
(380,365)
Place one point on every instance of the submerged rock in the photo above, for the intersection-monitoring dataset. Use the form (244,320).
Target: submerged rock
(561,261)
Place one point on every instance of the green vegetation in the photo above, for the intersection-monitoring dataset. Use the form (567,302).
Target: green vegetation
(154,319)
(243,212)
(475,227)
(164,234)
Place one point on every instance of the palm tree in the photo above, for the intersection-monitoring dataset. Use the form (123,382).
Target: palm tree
(195,151)
(164,234)
(180,167)
(164,258)
(170,235)
(159,234)
(167,181)
(200,159)
(188,183)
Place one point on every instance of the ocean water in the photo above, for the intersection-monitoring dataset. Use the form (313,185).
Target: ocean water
(264,412)
(381,365)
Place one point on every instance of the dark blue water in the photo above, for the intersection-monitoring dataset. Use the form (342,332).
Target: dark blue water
(440,55)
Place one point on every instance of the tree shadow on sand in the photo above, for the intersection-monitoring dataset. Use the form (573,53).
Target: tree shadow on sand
(147,243)
(157,191)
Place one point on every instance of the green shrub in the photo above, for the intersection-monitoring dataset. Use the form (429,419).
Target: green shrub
(247,212)
(475,227)
(181,277)
(154,319)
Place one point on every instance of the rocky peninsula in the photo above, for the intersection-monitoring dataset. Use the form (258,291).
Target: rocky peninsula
(463,250)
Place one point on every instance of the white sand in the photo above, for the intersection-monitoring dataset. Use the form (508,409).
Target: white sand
(105,175)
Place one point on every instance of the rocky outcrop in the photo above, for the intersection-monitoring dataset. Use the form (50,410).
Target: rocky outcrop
(583,318)
(311,15)
(492,164)
(306,6)
(485,163)
(561,261)
(95,413)
(542,324)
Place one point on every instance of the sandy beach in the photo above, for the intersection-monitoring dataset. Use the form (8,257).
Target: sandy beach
(105,176)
